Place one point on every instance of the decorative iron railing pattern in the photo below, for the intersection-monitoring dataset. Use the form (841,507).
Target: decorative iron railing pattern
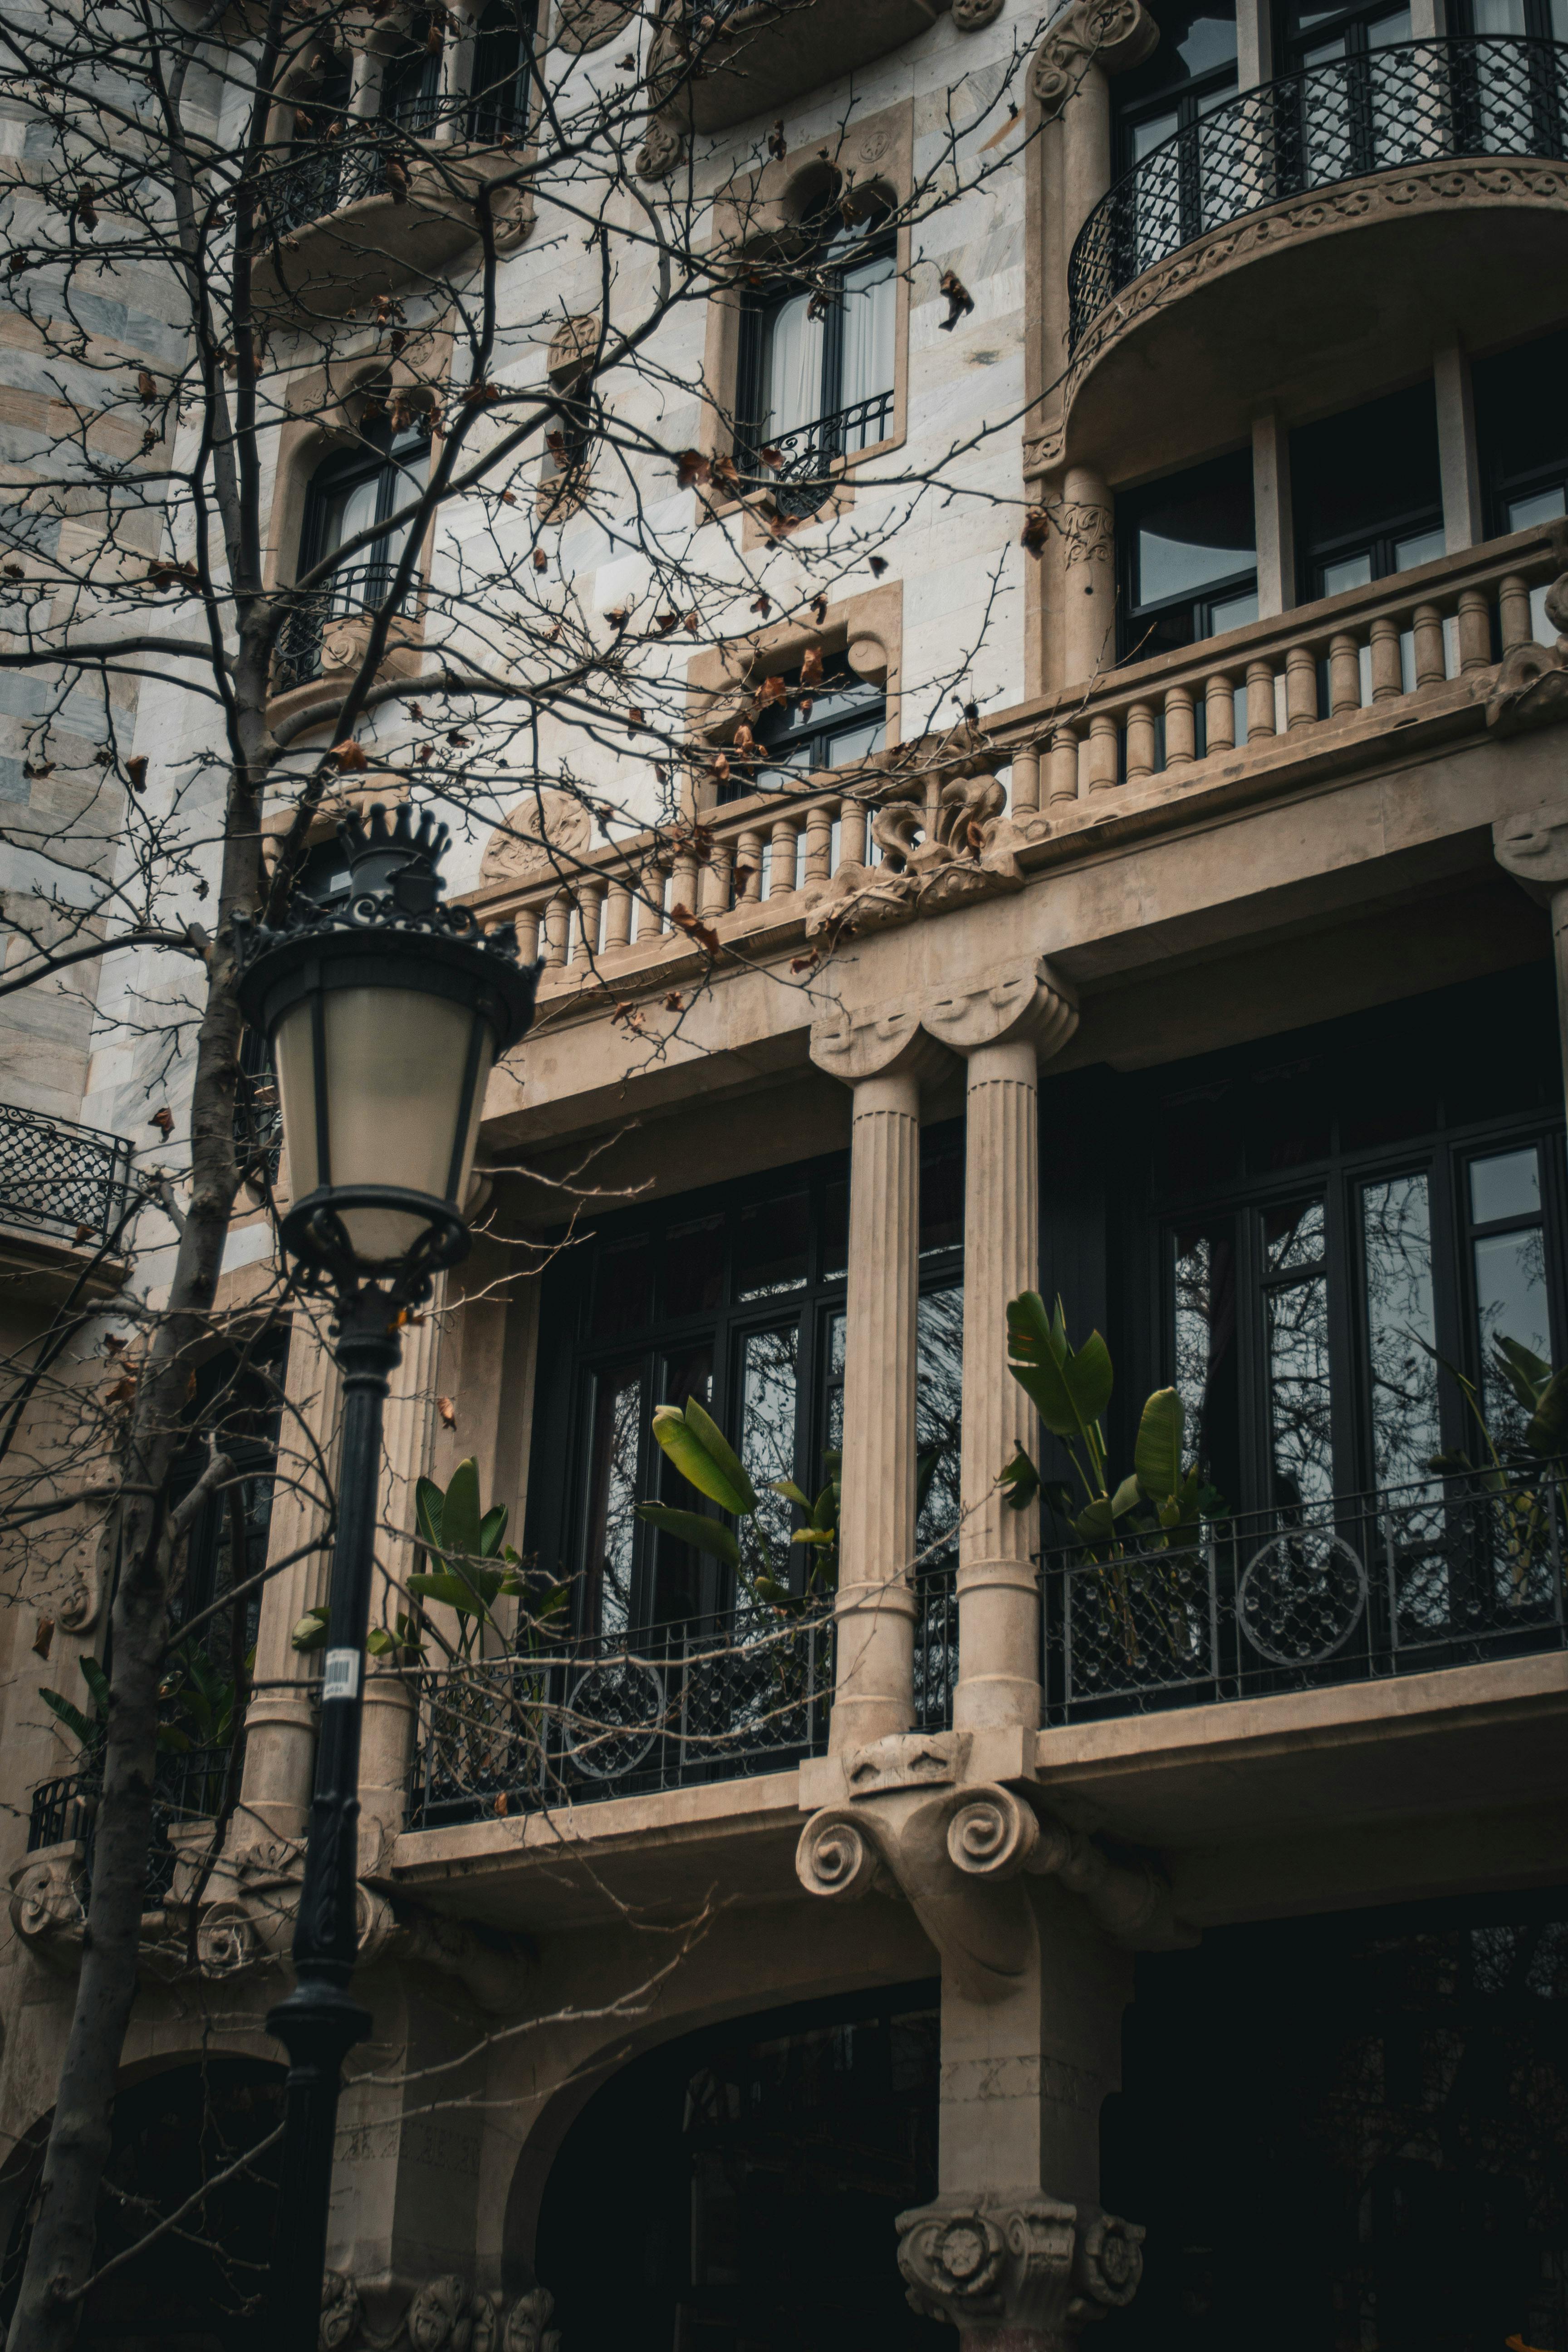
(62,1179)
(297,657)
(617,1715)
(320,180)
(1414,102)
(1438,1574)
(803,477)
(190,1786)
(936,1649)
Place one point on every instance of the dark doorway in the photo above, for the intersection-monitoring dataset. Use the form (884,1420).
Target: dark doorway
(758,2170)
(1349,2135)
(198,2287)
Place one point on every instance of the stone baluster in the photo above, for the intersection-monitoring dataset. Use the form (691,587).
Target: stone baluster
(713,881)
(1139,742)
(1301,689)
(1431,662)
(1513,612)
(1344,673)
(852,834)
(881,1060)
(526,922)
(1219,713)
(1387,669)
(683,881)
(1064,764)
(590,897)
(1475,630)
(780,879)
(1003,1030)
(618,914)
(819,841)
(749,864)
(1025,780)
(652,919)
(1181,732)
(1101,761)
(1260,715)
(557,929)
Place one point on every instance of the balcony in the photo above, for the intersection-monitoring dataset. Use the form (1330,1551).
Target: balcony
(1447,1572)
(673,1707)
(69,1182)
(723,61)
(803,469)
(1227,249)
(188,1787)
(327,629)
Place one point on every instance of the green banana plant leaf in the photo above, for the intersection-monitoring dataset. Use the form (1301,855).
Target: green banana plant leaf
(310,1632)
(1157,1452)
(492,1527)
(460,1516)
(1021,1479)
(1547,1432)
(791,1493)
(81,1726)
(814,1535)
(699,1450)
(1127,1498)
(691,1527)
(97,1681)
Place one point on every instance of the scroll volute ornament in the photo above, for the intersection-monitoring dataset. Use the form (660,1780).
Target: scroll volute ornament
(1114,35)
(1019,2261)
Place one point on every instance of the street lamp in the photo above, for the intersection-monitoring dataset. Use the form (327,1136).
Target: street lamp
(383,1012)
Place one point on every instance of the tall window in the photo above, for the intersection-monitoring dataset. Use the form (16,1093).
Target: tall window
(1522,432)
(1366,492)
(502,62)
(1188,557)
(736,1297)
(816,361)
(411,76)
(1160,111)
(354,491)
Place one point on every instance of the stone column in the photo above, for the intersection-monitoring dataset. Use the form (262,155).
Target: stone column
(1533,848)
(1088,537)
(1464,518)
(882,1059)
(1003,1030)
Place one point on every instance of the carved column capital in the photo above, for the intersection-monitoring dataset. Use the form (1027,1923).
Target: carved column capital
(1017,2260)
(1111,34)
(1029,1005)
(886,1043)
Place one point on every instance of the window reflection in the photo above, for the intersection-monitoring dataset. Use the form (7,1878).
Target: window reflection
(771,1240)
(612,1498)
(1396,1246)
(1509,1263)
(1205,1349)
(769,1392)
(938,1415)
(1296,1313)
(677,1569)
(694,1266)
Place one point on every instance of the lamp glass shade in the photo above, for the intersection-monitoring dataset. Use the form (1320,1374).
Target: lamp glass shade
(395,1083)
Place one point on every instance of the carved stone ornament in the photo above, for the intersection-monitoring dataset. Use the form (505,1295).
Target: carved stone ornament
(1114,35)
(444,2314)
(45,1903)
(519,850)
(1534,850)
(973,15)
(579,26)
(1028,1005)
(1532,688)
(662,151)
(973,854)
(1017,2260)
(907,1759)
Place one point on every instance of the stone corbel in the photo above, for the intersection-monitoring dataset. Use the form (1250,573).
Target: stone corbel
(1017,2261)
(1534,849)
(973,853)
(45,1903)
(1114,35)
(957,1855)
(444,2314)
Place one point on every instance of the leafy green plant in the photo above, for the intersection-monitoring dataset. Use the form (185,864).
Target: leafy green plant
(692,1440)
(91,1731)
(1539,1392)
(202,1700)
(1160,1501)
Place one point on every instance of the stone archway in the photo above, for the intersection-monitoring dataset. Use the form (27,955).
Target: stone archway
(755,2170)
(199,2288)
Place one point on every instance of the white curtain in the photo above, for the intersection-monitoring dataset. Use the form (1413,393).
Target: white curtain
(870,296)
(793,369)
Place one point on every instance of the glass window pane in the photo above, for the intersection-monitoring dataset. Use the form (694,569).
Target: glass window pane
(1350,572)
(769,1385)
(835,1232)
(834,1438)
(870,293)
(1508,1184)
(1421,547)
(1385,31)
(1300,1428)
(1510,1304)
(622,1294)
(612,1498)
(1540,506)
(939,1416)
(1147,136)
(1293,1237)
(770,1239)
(1235,613)
(1396,1243)
(942,1198)
(855,743)
(1195,529)
(1205,1358)
(678,1568)
(694,1266)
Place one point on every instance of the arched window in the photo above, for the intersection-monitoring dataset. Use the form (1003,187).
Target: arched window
(815,379)
(499,83)
(352,491)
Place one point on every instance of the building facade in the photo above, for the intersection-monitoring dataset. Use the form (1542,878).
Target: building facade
(1023,1930)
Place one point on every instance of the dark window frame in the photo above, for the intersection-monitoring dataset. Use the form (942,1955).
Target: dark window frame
(500,101)
(1136,618)
(832,433)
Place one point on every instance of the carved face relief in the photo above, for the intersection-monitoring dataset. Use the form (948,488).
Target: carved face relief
(436,2321)
(519,851)
(340,2310)
(527,2321)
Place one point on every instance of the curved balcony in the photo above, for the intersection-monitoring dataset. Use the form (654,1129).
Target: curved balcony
(1357,199)
(723,61)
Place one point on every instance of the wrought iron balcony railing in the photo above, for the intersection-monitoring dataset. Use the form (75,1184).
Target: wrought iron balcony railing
(803,477)
(1414,102)
(617,1714)
(297,657)
(190,1786)
(60,1179)
(1441,1573)
(319,180)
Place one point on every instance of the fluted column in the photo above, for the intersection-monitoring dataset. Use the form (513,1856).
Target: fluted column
(881,1059)
(1003,1031)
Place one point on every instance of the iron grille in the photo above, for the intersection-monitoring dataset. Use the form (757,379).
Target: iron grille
(320,181)
(1437,1574)
(1416,102)
(360,589)
(936,1649)
(189,1786)
(804,475)
(62,1179)
(619,1713)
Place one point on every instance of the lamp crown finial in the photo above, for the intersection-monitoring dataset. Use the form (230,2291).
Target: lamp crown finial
(402,858)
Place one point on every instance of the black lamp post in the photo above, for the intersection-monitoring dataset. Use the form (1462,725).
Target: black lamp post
(384,1014)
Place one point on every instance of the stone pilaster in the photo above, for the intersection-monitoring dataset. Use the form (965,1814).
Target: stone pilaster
(1003,1029)
(882,1058)
(1533,848)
